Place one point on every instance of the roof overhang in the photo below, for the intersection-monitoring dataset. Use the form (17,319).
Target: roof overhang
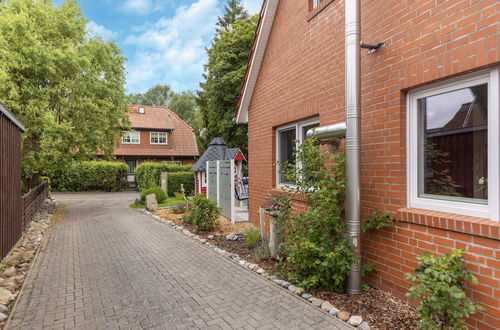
(260,43)
(4,111)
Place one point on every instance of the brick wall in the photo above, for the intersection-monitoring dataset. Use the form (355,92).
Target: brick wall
(302,75)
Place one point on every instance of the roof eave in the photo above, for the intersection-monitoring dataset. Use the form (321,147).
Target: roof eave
(11,117)
(253,68)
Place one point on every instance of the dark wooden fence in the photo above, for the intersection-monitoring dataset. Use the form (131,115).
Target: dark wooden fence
(32,202)
(11,207)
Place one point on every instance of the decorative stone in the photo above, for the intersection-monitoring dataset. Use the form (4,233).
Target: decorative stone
(279,282)
(3,317)
(1,281)
(5,296)
(343,315)
(292,288)
(260,271)
(10,284)
(334,311)
(3,309)
(151,203)
(265,275)
(252,266)
(210,237)
(355,320)
(326,306)
(286,284)
(242,263)
(299,291)
(364,326)
(273,277)
(9,272)
(19,278)
(317,302)
(203,240)
(306,296)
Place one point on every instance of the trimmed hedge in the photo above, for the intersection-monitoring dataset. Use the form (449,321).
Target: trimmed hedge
(90,176)
(160,194)
(148,174)
(175,179)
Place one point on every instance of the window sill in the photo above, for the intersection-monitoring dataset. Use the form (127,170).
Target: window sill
(158,144)
(452,222)
(315,11)
(131,143)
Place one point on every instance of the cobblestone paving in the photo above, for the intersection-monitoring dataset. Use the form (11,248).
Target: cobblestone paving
(105,266)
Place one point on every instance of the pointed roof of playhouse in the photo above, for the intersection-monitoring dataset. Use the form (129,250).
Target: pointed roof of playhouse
(217,150)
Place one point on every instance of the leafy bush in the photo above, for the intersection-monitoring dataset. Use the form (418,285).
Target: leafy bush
(148,174)
(205,213)
(176,179)
(317,251)
(89,176)
(252,236)
(159,193)
(378,220)
(2,267)
(440,284)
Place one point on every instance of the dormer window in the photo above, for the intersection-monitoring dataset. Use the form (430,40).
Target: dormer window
(131,137)
(142,110)
(158,138)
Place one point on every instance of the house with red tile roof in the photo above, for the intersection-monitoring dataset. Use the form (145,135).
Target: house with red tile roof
(157,135)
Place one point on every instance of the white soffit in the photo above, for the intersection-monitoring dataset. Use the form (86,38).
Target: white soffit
(257,57)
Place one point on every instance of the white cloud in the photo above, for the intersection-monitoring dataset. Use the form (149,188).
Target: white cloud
(172,50)
(144,7)
(95,30)
(253,6)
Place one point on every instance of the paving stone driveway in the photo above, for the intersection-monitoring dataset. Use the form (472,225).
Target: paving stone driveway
(105,266)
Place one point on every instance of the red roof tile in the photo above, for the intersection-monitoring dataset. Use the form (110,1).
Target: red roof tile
(153,117)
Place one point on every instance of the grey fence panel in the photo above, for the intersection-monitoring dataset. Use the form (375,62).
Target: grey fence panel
(225,191)
(212,180)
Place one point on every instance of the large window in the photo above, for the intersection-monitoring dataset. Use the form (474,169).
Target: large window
(454,146)
(131,138)
(158,138)
(288,138)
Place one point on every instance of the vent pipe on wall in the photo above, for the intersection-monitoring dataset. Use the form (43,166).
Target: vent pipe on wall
(353,134)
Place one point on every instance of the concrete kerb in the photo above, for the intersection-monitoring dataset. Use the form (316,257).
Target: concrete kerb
(240,263)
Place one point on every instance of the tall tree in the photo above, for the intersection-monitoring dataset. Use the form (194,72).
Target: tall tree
(233,11)
(66,87)
(185,106)
(158,95)
(227,61)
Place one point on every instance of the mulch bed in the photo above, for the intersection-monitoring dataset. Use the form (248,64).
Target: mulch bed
(378,308)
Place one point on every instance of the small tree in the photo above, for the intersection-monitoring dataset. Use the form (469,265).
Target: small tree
(440,284)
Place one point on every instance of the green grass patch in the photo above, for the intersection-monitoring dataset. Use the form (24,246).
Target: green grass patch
(169,202)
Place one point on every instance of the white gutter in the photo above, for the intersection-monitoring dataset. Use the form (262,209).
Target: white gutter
(256,62)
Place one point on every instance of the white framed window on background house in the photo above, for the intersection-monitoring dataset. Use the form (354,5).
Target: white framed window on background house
(158,138)
(316,3)
(454,146)
(131,138)
(288,138)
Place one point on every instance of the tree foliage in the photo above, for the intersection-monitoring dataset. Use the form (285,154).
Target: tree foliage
(224,73)
(233,11)
(66,87)
(158,95)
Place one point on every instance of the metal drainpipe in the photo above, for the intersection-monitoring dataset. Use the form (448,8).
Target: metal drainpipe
(353,133)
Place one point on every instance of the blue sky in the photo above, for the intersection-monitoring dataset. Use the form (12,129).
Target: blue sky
(163,40)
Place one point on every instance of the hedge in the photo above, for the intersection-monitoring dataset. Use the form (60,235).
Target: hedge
(90,176)
(175,179)
(148,174)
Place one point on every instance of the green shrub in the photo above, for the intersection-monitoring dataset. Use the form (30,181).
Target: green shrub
(440,284)
(378,220)
(176,179)
(89,176)
(318,254)
(148,174)
(252,236)
(160,194)
(205,213)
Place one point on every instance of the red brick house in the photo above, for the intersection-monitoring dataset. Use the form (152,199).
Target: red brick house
(429,124)
(157,135)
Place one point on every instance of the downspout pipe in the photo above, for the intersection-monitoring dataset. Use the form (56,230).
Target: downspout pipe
(353,135)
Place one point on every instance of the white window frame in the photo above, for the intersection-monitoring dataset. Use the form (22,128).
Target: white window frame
(158,136)
(204,179)
(299,136)
(132,140)
(490,209)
